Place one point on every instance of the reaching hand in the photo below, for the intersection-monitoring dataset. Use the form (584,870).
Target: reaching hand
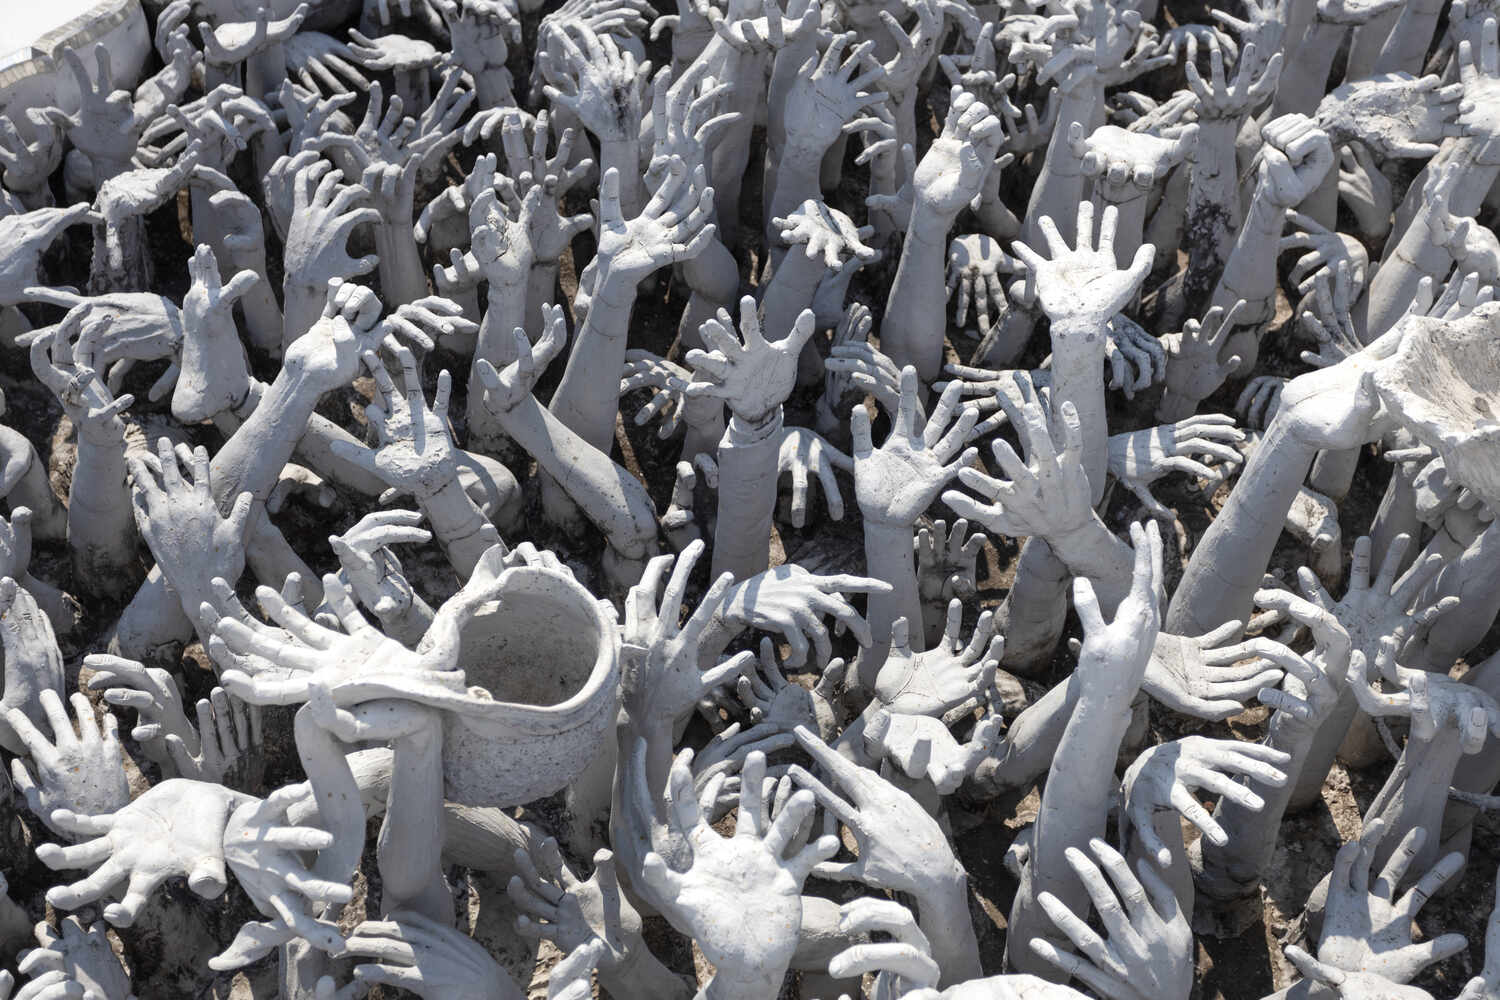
(572,913)
(1165,778)
(1200,677)
(1149,948)
(899,480)
(1083,287)
(755,376)
(436,962)
(1139,458)
(950,174)
(74,774)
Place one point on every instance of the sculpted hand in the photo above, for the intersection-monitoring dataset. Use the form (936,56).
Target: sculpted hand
(435,962)
(84,957)
(955,165)
(1083,286)
(1433,702)
(1218,97)
(1293,161)
(324,213)
(1129,164)
(947,561)
(827,233)
(830,92)
(804,453)
(1113,657)
(33,663)
(949,677)
(789,600)
(74,774)
(174,830)
(151,691)
(571,913)
(896,482)
(673,226)
(975,264)
(1366,928)
(901,847)
(1129,344)
(229,743)
(1048,494)
(755,376)
(266,854)
(23,240)
(1392,114)
(414,453)
(1165,777)
(180,521)
(603,84)
(730,883)
(28,163)
(1148,950)
(1351,985)
(1139,458)
(1198,677)
(369,565)
(668,382)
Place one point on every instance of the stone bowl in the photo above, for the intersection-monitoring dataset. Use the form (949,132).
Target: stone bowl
(543,670)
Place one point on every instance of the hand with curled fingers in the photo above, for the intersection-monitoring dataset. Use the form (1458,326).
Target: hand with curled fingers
(598,79)
(434,961)
(975,264)
(668,382)
(266,852)
(1139,458)
(804,454)
(828,234)
(154,695)
(1314,680)
(952,171)
(1165,778)
(791,601)
(784,705)
(1432,702)
(324,212)
(1130,346)
(1147,950)
(371,568)
(902,964)
(571,912)
(174,830)
(1201,677)
(728,883)
(24,238)
(228,750)
(925,749)
(830,92)
(75,774)
(1366,927)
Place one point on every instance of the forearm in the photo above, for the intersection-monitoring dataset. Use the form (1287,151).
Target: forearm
(1406,46)
(641,974)
(458,523)
(302,304)
(1078,378)
(101,521)
(587,399)
(943,915)
(506,310)
(1059,186)
(1234,870)
(610,497)
(1393,286)
(1304,75)
(912,330)
(252,458)
(1419,797)
(402,278)
(1250,273)
(796,179)
(747,496)
(624,155)
(1213,212)
(1226,568)
(790,291)
(1094,552)
(888,557)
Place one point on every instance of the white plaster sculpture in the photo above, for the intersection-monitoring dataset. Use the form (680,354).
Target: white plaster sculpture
(339,429)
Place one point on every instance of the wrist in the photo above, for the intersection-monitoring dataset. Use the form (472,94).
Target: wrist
(745,431)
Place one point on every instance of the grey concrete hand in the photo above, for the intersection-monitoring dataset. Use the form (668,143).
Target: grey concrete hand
(896,482)
(975,264)
(372,569)
(266,851)
(1139,458)
(229,743)
(23,240)
(791,601)
(573,913)
(33,662)
(85,957)
(151,691)
(1360,985)
(950,174)
(1165,778)
(603,83)
(1148,948)
(1083,284)
(1366,928)
(1201,677)
(174,830)
(731,882)
(749,373)
(1130,345)
(81,773)
(946,677)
